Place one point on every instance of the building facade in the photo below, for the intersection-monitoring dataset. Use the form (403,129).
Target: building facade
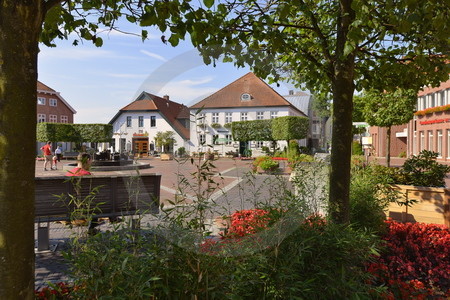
(136,125)
(248,98)
(428,130)
(53,108)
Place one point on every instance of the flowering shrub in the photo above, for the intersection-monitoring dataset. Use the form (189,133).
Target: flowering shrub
(432,110)
(58,291)
(246,222)
(416,262)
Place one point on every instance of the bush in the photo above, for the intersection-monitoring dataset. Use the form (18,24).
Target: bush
(424,170)
(357,148)
(268,165)
(260,159)
(415,261)
(402,154)
(181,151)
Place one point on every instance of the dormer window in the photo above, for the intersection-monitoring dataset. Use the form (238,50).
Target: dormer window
(246,97)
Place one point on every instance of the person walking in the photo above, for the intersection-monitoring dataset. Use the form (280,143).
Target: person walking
(47,152)
(58,153)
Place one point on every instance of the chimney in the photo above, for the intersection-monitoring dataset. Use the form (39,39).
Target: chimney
(166,97)
(291,92)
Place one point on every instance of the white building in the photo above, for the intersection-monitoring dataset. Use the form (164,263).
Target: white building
(136,125)
(248,98)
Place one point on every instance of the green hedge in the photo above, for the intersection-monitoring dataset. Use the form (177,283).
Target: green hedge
(289,128)
(257,130)
(96,133)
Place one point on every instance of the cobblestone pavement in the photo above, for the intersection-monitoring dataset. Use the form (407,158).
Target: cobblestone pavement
(50,266)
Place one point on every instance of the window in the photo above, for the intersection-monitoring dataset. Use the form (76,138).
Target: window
(215,137)
(415,143)
(448,143)
(52,102)
(438,99)
(202,139)
(201,119)
(259,115)
(215,118)
(64,119)
(422,141)
(230,139)
(129,121)
(244,116)
(141,121)
(315,127)
(273,114)
(259,144)
(153,121)
(41,118)
(246,97)
(41,101)
(53,118)
(228,117)
(439,143)
(430,140)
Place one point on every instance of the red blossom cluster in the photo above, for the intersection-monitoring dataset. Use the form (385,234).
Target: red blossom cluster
(246,222)
(59,291)
(416,263)
(279,158)
(432,110)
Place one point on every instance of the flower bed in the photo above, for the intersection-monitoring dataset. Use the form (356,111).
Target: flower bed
(416,262)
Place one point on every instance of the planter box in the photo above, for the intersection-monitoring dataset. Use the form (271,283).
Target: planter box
(165,156)
(432,206)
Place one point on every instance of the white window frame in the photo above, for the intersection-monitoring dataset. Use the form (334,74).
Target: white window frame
(152,121)
(215,117)
(41,118)
(64,119)
(422,141)
(259,115)
(415,142)
(259,144)
(228,117)
(129,121)
(41,100)
(273,114)
(52,102)
(52,118)
(229,138)
(244,116)
(448,143)
(202,139)
(439,143)
(430,140)
(140,121)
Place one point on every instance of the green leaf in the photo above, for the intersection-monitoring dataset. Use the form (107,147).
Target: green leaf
(174,40)
(208,3)
(98,42)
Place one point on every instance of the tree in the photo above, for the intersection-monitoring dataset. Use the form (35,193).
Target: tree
(386,109)
(165,140)
(333,47)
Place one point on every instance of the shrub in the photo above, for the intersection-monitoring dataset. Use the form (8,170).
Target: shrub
(181,151)
(216,125)
(260,159)
(415,261)
(402,154)
(269,165)
(424,170)
(357,148)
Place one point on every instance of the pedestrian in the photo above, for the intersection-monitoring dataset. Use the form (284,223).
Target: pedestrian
(47,152)
(58,153)
(55,163)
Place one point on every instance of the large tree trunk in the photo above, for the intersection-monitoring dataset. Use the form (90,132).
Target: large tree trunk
(388,146)
(20,23)
(341,140)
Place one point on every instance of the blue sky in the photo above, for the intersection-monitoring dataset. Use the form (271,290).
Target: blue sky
(97,82)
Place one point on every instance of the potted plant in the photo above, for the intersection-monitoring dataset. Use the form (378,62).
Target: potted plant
(269,166)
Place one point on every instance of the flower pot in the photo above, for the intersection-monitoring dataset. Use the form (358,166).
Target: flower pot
(166,156)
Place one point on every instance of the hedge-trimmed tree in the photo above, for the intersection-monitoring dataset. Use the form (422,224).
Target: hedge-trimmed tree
(290,128)
(256,130)
(77,133)
(164,139)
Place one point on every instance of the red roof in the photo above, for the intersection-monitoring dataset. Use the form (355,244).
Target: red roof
(169,110)
(43,87)
(261,94)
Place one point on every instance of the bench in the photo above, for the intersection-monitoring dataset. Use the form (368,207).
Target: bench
(68,154)
(117,196)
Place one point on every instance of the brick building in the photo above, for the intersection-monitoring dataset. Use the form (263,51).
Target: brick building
(429,129)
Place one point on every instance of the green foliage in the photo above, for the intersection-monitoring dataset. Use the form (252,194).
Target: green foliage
(321,105)
(164,139)
(357,148)
(424,170)
(386,109)
(290,128)
(257,130)
(181,151)
(402,154)
(216,125)
(268,165)
(77,133)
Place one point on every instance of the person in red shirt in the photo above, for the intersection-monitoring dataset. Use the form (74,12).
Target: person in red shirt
(47,152)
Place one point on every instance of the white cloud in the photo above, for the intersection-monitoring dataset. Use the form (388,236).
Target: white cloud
(188,82)
(75,53)
(154,55)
